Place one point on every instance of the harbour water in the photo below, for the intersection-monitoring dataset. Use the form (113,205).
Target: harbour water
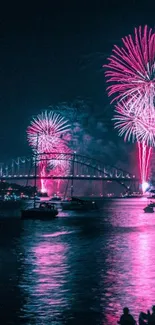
(78,269)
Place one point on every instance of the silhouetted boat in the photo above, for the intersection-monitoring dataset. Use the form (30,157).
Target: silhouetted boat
(148,209)
(43,195)
(55,198)
(76,204)
(151,204)
(44,211)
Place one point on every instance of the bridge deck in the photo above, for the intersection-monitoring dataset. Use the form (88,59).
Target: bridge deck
(76,177)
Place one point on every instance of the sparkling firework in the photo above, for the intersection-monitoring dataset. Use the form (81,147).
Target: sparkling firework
(47,136)
(131,74)
(135,122)
(48,128)
(131,69)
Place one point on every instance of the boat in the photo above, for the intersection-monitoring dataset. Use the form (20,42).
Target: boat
(76,204)
(42,194)
(148,209)
(152,204)
(55,198)
(44,211)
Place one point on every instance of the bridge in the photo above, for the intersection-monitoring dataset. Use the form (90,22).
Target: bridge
(80,168)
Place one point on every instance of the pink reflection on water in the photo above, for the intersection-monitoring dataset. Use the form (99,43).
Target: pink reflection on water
(49,258)
(129,213)
(58,233)
(132,261)
(45,277)
(143,270)
(50,272)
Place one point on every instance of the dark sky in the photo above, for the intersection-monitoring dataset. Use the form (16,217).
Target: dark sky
(53,51)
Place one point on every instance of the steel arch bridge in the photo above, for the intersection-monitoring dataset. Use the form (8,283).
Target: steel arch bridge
(81,168)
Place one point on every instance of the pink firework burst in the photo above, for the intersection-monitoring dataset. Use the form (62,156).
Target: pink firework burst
(47,135)
(135,121)
(49,128)
(137,124)
(131,68)
(131,74)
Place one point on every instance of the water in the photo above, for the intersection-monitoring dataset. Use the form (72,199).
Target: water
(78,269)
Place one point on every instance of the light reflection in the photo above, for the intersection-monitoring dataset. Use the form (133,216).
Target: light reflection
(59,233)
(50,267)
(47,271)
(100,266)
(143,261)
(129,263)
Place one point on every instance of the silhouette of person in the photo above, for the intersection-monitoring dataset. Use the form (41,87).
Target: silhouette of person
(143,318)
(151,317)
(126,318)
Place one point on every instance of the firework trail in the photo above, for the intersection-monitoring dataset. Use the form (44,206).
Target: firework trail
(46,135)
(144,159)
(131,74)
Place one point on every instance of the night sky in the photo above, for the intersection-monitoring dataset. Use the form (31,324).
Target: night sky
(54,52)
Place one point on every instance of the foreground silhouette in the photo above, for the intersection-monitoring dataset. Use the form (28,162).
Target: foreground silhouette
(144,318)
(126,318)
(148,318)
(151,317)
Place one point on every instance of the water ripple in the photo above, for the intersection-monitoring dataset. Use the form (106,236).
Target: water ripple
(78,270)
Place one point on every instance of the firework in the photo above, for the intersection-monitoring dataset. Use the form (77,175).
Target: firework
(131,74)
(144,159)
(47,137)
(135,122)
(131,69)
(48,128)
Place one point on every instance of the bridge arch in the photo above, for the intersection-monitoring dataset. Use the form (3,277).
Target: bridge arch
(108,171)
(96,169)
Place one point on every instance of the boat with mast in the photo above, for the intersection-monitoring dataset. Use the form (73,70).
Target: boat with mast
(74,203)
(45,210)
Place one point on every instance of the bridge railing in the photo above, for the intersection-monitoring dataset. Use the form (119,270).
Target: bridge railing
(83,165)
